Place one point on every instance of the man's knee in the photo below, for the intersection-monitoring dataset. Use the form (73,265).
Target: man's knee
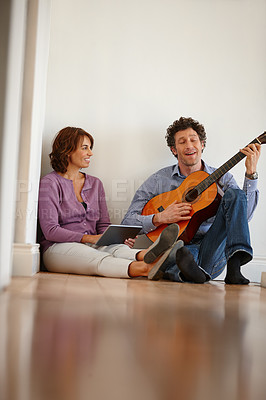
(235,198)
(233,195)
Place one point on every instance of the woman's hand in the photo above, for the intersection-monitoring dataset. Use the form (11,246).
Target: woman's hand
(94,238)
(130,242)
(90,238)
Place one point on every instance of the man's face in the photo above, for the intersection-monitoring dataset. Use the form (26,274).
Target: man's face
(188,148)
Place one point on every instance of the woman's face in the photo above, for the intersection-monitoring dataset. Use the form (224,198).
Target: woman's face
(80,158)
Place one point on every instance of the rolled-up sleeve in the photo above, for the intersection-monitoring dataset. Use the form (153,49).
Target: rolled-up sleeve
(250,187)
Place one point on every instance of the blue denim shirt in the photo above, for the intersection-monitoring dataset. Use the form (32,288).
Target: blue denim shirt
(169,178)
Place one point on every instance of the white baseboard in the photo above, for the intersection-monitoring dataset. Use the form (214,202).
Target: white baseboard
(26,259)
(253,270)
(26,262)
(263,279)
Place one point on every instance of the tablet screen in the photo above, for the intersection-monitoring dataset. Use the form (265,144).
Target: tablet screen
(117,234)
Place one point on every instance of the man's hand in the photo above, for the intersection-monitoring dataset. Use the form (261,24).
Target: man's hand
(174,213)
(252,151)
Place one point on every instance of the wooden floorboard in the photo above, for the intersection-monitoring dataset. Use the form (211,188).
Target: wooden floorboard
(74,337)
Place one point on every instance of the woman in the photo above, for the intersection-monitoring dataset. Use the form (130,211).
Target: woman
(73,214)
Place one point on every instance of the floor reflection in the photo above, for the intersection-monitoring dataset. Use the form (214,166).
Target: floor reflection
(119,339)
(190,352)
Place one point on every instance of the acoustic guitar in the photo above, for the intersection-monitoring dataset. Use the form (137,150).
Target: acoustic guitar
(201,191)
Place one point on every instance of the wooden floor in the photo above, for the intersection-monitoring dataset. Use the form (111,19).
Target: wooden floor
(75,337)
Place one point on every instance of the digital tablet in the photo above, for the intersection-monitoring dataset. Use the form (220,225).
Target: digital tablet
(116,234)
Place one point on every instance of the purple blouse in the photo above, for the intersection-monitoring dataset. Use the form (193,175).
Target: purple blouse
(62,217)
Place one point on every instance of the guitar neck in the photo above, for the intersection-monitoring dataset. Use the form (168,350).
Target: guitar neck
(219,172)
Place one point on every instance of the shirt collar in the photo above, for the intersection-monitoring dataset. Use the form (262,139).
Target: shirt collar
(176,170)
(87,183)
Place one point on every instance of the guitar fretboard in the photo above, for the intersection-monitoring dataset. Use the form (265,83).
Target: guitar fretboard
(216,175)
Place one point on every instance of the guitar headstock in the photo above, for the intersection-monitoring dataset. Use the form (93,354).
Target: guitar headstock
(262,138)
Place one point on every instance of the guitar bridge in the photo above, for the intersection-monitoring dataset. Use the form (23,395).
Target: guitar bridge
(160,209)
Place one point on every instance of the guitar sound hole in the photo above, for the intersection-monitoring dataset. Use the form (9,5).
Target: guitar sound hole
(191,195)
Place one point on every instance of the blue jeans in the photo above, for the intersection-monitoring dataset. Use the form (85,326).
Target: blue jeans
(228,234)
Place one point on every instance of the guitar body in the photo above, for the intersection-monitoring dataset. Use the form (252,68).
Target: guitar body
(203,207)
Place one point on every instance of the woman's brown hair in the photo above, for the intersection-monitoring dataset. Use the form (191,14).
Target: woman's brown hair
(65,142)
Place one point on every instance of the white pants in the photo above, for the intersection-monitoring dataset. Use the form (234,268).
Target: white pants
(78,258)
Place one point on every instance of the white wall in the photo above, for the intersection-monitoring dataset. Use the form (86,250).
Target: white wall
(24,35)
(25,250)
(124,70)
(12,32)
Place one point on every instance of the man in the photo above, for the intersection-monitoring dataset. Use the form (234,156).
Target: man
(221,240)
